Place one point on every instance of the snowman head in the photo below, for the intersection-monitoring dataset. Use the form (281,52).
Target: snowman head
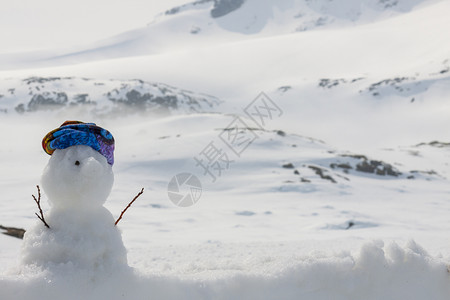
(79,173)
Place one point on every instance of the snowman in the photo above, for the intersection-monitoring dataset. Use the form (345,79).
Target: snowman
(78,232)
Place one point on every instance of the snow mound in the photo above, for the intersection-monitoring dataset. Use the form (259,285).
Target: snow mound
(376,272)
(75,241)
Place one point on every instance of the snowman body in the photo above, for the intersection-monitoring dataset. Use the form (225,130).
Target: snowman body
(77,181)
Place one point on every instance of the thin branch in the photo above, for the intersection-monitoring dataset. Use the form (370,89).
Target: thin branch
(129,204)
(38,202)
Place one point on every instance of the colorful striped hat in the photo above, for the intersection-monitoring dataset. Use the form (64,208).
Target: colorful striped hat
(72,133)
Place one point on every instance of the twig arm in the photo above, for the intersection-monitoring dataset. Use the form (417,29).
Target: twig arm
(38,202)
(129,204)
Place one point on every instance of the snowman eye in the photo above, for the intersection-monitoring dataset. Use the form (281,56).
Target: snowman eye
(77,163)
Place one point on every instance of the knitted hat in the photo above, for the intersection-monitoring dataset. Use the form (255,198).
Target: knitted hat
(72,133)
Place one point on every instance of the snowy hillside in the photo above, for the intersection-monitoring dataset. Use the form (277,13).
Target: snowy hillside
(204,23)
(315,130)
(99,97)
(287,214)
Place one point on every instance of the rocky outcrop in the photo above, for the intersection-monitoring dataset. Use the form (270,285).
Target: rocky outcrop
(361,163)
(219,9)
(224,7)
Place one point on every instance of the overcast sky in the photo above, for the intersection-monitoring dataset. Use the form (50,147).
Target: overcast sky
(31,24)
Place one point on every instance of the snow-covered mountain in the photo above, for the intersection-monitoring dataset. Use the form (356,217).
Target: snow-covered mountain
(210,22)
(99,97)
(250,16)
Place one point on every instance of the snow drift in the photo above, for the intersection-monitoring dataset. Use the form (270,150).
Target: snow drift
(376,272)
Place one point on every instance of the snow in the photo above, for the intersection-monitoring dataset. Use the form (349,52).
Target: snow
(77,177)
(293,216)
(376,272)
